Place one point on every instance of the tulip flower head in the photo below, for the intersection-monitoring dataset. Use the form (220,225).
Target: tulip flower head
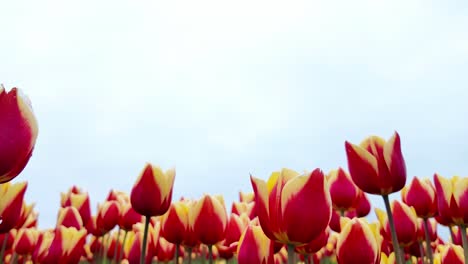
(152,193)
(284,205)
(421,194)
(18,135)
(377,166)
(452,197)
(208,219)
(406,222)
(358,242)
(342,190)
(254,247)
(11,202)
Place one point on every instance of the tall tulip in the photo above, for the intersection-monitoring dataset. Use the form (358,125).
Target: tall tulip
(11,201)
(421,195)
(378,167)
(358,242)
(282,206)
(151,196)
(19,132)
(343,191)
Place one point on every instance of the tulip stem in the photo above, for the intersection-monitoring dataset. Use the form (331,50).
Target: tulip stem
(210,254)
(452,235)
(421,251)
(145,238)
(396,245)
(176,258)
(465,241)
(189,255)
(290,248)
(2,252)
(428,241)
(122,247)
(105,244)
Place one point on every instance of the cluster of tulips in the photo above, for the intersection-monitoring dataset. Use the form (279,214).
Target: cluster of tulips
(311,217)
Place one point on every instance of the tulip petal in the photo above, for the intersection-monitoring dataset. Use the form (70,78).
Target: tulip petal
(363,168)
(395,162)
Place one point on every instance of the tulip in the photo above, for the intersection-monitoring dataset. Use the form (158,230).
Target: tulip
(19,132)
(358,242)
(451,254)
(343,192)
(248,208)
(315,245)
(246,197)
(378,167)
(11,201)
(67,245)
(254,247)
(44,241)
(128,217)
(81,202)
(208,219)
(165,251)
(282,206)
(362,205)
(156,186)
(174,224)
(108,216)
(26,211)
(6,242)
(452,198)
(25,241)
(406,223)
(69,217)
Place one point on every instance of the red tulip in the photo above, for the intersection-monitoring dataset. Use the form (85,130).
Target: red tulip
(128,217)
(153,185)
(67,246)
(19,132)
(25,241)
(452,196)
(343,192)
(421,194)
(44,241)
(362,206)
(11,201)
(174,223)
(451,254)
(69,217)
(254,247)
(377,166)
(358,242)
(315,245)
(208,219)
(406,222)
(108,216)
(282,205)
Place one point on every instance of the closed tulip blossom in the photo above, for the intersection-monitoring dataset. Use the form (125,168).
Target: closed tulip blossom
(69,217)
(208,219)
(67,245)
(156,186)
(358,242)
(343,192)
(283,206)
(377,167)
(255,247)
(18,127)
(450,254)
(25,241)
(11,202)
(406,223)
(421,194)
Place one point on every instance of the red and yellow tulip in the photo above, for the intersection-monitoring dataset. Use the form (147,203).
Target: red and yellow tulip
(358,242)
(19,130)
(11,202)
(421,195)
(377,166)
(254,247)
(283,202)
(208,219)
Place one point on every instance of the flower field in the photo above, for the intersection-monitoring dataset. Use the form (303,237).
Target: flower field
(288,217)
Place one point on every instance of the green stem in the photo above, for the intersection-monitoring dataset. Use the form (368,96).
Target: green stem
(396,245)
(290,254)
(465,242)
(145,238)
(105,245)
(452,235)
(189,253)
(122,248)
(116,245)
(2,252)
(210,254)
(176,258)
(428,241)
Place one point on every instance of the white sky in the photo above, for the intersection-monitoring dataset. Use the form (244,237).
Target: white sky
(222,89)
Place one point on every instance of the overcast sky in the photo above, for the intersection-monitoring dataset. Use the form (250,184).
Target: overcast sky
(222,89)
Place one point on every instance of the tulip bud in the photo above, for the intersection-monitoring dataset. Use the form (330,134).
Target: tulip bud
(358,242)
(254,247)
(174,223)
(406,222)
(377,166)
(19,132)
(25,241)
(282,201)
(41,250)
(362,205)
(315,245)
(208,219)
(69,217)
(451,254)
(108,216)
(452,197)
(422,196)
(239,208)
(11,201)
(153,185)
(343,192)
(246,197)
(165,250)
(128,217)
(67,245)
